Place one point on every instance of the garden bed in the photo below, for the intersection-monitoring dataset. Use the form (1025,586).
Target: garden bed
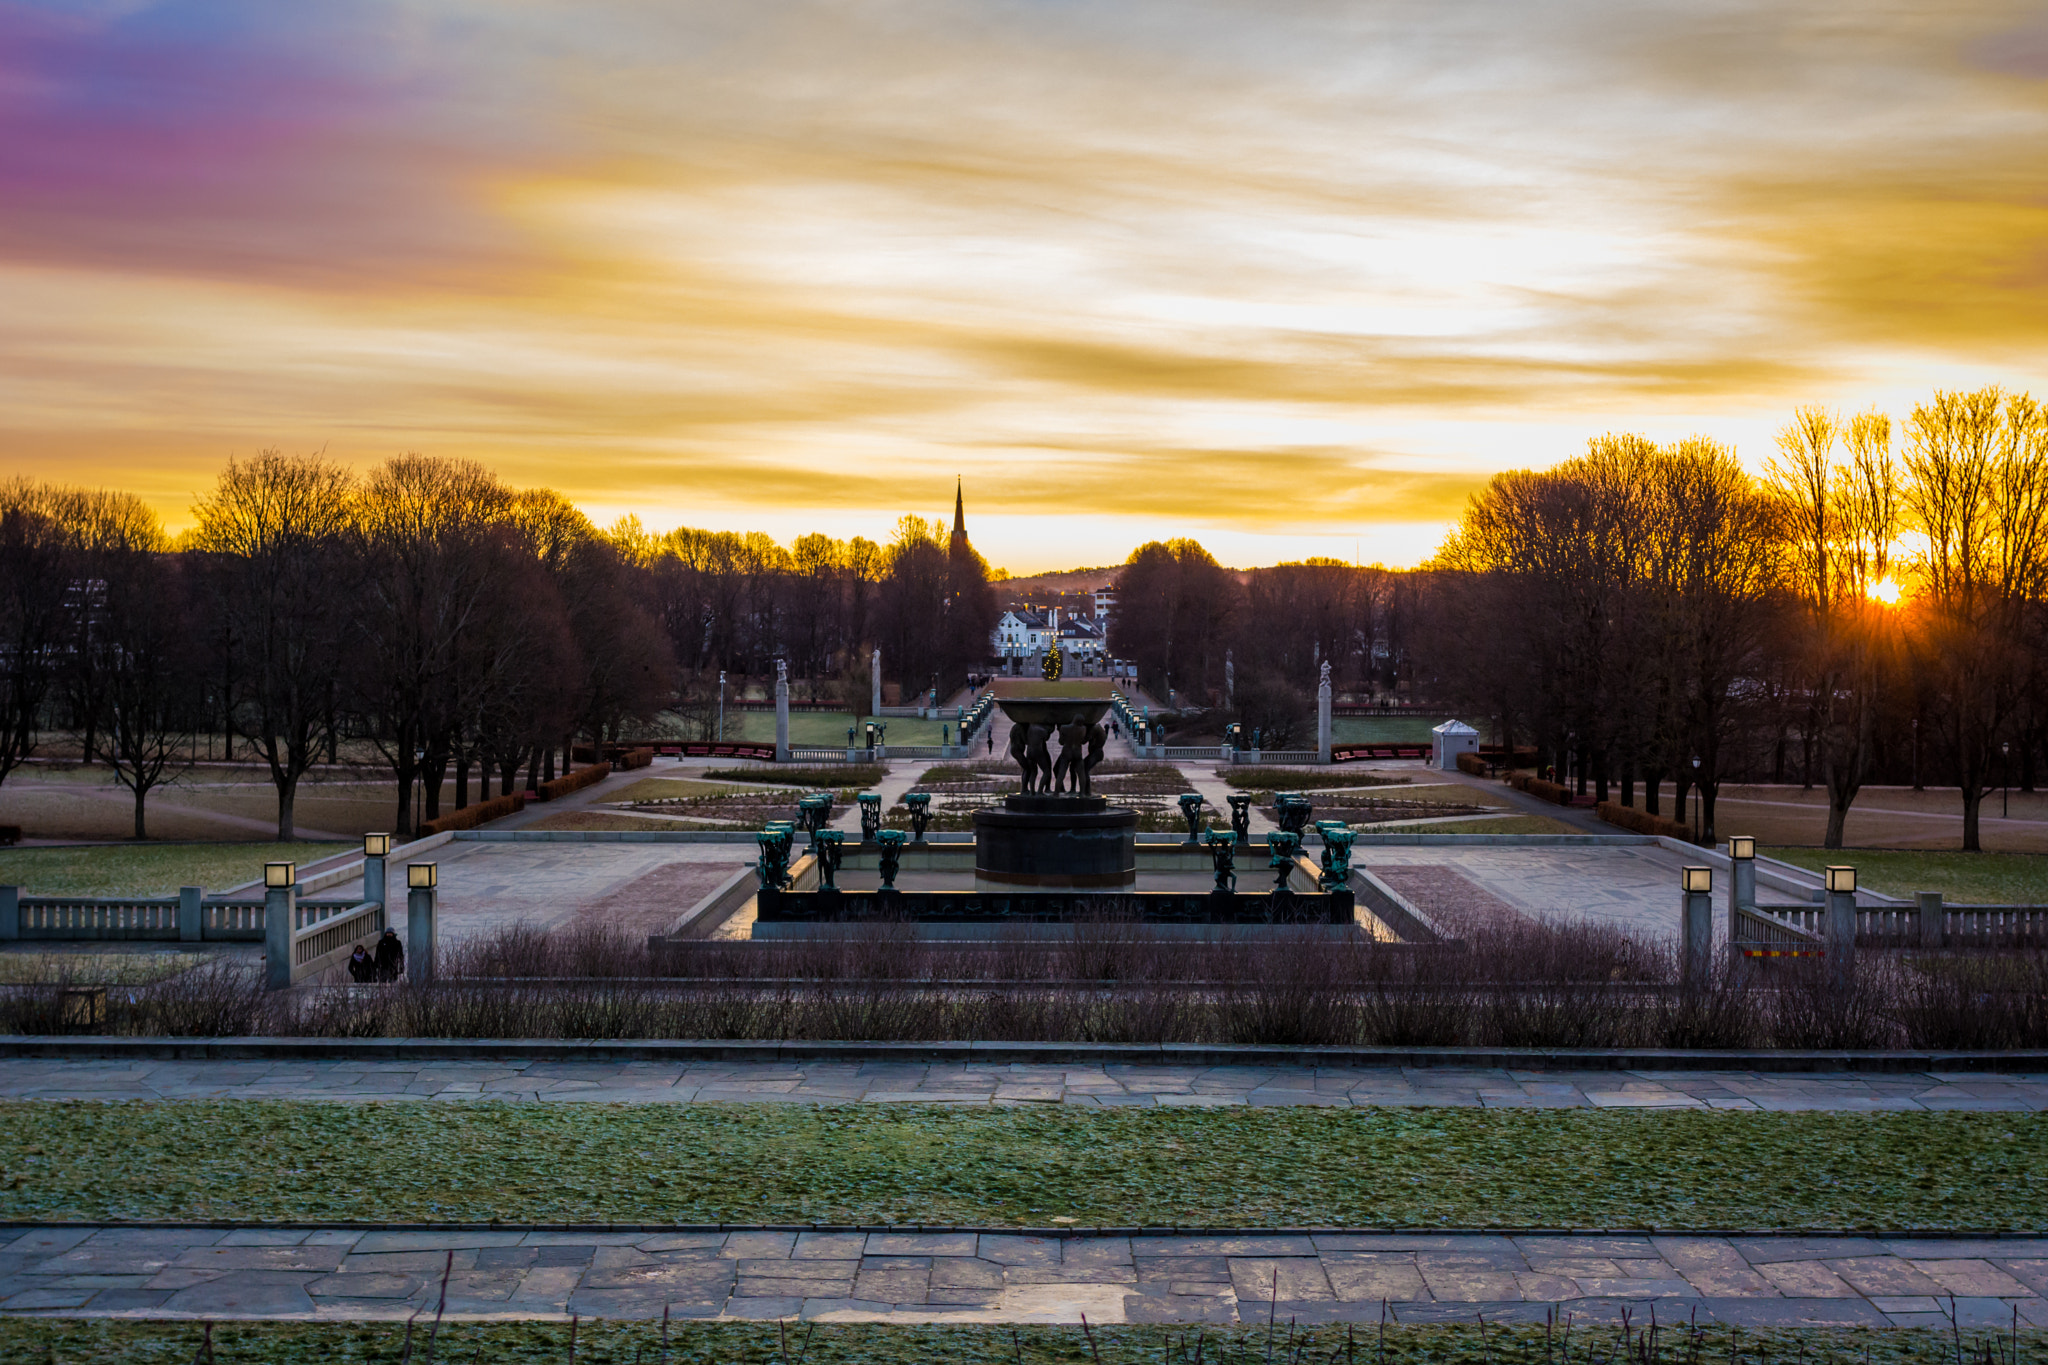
(1253,778)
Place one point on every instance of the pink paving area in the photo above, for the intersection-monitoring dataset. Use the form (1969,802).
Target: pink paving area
(1450,898)
(652,903)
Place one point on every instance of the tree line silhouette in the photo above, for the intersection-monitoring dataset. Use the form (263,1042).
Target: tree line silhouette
(450,622)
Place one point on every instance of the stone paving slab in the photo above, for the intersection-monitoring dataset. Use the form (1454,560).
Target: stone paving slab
(1097,1086)
(342,1274)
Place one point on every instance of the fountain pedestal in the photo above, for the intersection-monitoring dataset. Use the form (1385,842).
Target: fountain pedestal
(1053,842)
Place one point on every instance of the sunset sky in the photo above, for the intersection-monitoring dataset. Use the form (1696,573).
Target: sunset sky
(1288,277)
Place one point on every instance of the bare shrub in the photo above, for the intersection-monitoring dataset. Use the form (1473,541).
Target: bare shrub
(1111,980)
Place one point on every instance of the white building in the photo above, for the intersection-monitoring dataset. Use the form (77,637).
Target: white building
(1080,638)
(1024,633)
(1020,634)
(1105,603)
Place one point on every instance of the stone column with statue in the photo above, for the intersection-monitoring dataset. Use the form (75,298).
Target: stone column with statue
(875,682)
(782,710)
(1323,716)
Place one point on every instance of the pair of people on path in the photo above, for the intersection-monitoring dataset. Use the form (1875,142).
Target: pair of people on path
(387,965)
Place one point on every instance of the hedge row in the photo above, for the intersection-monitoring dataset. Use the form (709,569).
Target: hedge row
(572,782)
(482,812)
(1473,764)
(1641,821)
(1549,791)
(633,758)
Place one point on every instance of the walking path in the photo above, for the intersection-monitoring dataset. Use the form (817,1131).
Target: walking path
(830,1082)
(1005,1277)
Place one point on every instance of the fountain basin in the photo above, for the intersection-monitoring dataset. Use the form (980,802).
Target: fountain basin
(1055,842)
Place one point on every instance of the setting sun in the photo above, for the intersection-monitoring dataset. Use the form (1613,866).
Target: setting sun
(1886,591)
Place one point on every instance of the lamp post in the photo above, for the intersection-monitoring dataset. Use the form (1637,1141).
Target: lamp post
(1696,924)
(1916,753)
(421,879)
(1697,813)
(2005,780)
(1840,923)
(721,704)
(1742,881)
(376,848)
(280,918)
(419,787)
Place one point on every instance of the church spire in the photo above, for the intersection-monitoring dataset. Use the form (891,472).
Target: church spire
(959,540)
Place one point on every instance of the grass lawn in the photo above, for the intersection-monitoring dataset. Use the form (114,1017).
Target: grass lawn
(1968,878)
(147,869)
(40,963)
(671,788)
(1381,729)
(264,1161)
(827,729)
(601,1342)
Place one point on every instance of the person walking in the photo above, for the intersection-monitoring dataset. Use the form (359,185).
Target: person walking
(390,957)
(362,968)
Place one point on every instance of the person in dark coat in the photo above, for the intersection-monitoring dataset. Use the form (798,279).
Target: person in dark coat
(390,957)
(361,966)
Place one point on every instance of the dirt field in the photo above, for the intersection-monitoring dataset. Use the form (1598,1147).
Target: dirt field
(1883,817)
(64,801)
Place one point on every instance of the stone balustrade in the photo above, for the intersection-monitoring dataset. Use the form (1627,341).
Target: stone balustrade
(1931,923)
(328,933)
(188,917)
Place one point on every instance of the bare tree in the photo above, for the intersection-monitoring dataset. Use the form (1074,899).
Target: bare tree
(429,537)
(1839,522)
(272,531)
(36,577)
(149,671)
(1978,492)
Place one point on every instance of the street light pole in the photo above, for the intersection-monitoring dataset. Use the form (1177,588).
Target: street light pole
(2005,780)
(721,704)
(1698,802)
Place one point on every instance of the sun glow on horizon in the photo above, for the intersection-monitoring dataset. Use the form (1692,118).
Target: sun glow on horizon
(1134,274)
(1885,590)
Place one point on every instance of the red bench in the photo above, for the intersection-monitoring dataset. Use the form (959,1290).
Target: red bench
(1351,753)
(705,748)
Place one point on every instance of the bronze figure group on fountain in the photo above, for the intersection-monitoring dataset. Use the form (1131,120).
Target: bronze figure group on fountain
(1080,750)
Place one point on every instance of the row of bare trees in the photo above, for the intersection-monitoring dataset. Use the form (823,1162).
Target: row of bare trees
(1252,642)
(740,601)
(1645,611)
(428,609)
(454,623)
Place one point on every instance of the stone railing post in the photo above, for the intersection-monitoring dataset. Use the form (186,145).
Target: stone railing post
(421,879)
(191,911)
(280,919)
(1696,926)
(1933,920)
(10,912)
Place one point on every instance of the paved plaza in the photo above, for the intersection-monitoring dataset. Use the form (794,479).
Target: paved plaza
(912,1277)
(644,888)
(1101,1086)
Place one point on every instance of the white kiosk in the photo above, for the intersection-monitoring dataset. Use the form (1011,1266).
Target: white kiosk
(1454,737)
